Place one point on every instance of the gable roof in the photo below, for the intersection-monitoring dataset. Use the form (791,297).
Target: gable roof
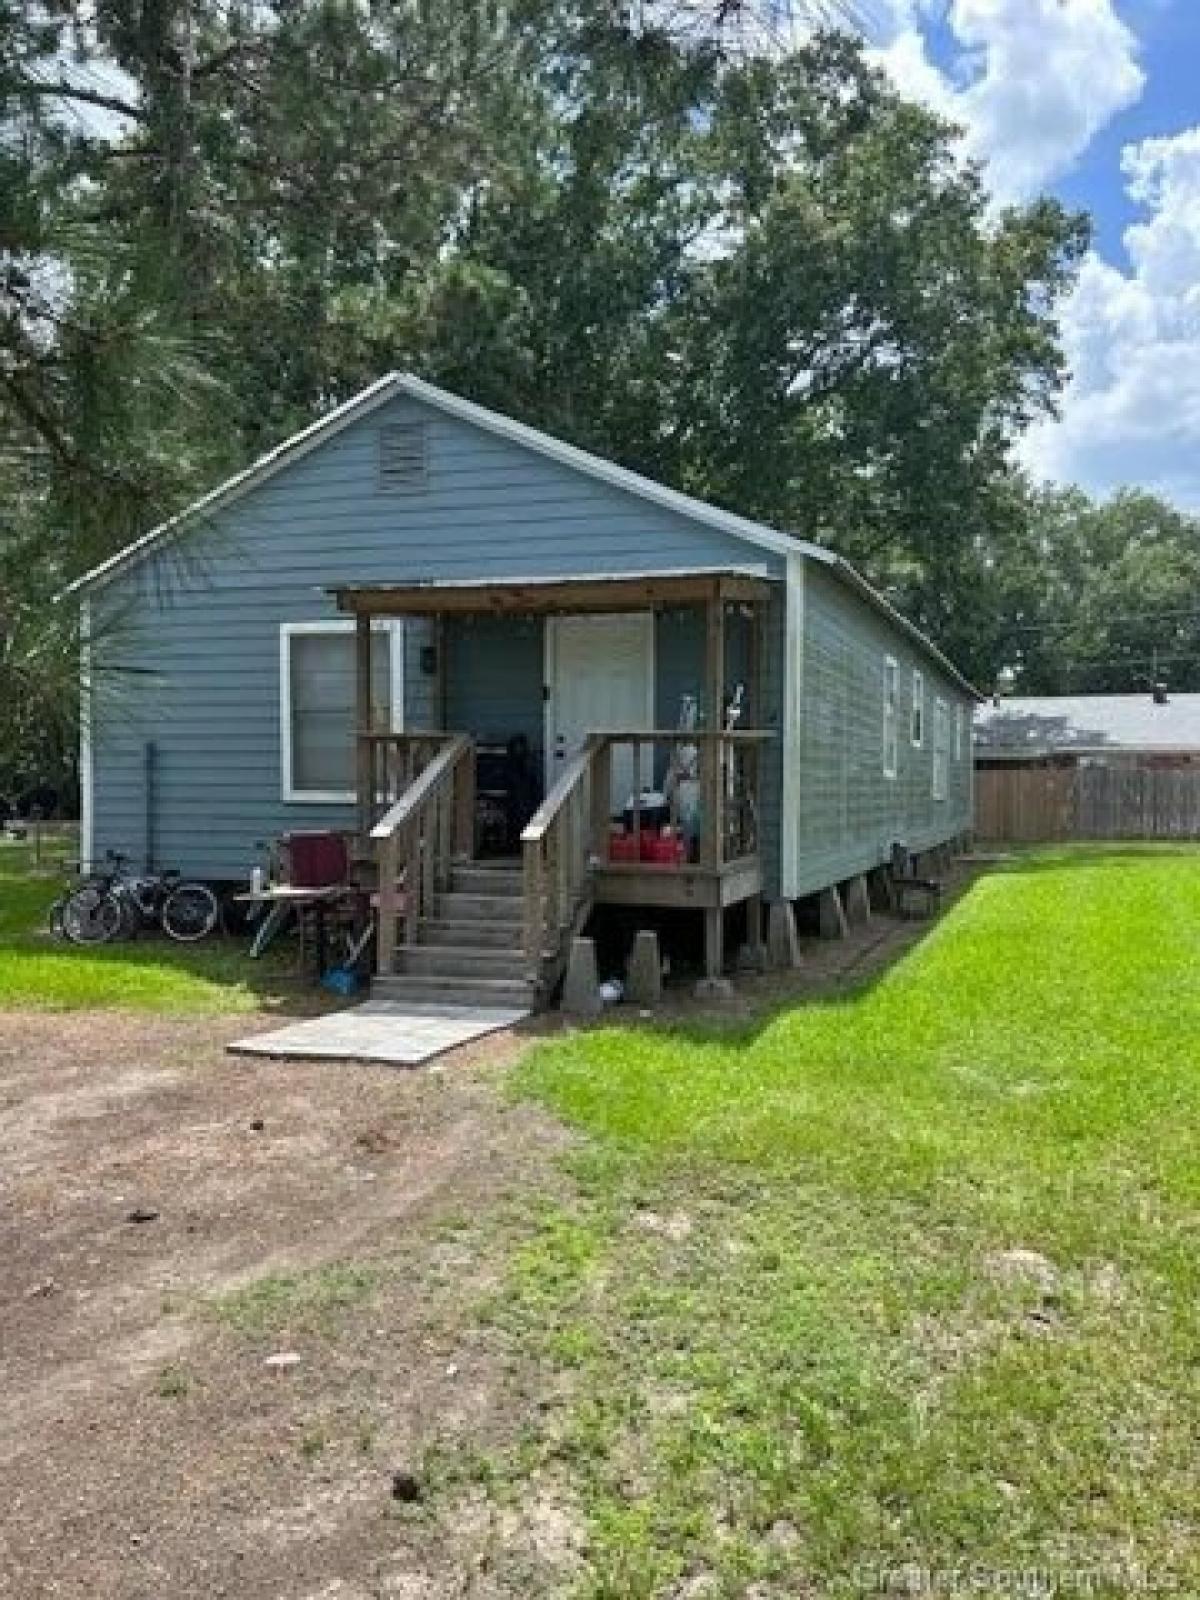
(1040,725)
(389,388)
(395,384)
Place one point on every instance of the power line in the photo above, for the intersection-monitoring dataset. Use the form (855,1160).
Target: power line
(1131,617)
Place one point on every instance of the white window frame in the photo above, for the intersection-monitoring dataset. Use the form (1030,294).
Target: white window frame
(916,717)
(291,630)
(891,717)
(941,750)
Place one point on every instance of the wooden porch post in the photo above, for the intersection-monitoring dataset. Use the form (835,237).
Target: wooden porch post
(363,708)
(714,678)
(755,699)
(714,942)
(440,683)
(713,790)
(756,708)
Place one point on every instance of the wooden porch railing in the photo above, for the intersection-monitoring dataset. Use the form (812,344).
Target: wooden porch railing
(712,784)
(710,825)
(556,849)
(388,765)
(429,824)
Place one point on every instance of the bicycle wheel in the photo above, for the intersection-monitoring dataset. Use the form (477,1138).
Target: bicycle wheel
(92,916)
(190,912)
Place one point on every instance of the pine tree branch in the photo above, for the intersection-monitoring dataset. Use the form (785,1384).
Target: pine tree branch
(89,97)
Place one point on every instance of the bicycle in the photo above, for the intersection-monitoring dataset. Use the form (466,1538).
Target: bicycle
(89,913)
(116,902)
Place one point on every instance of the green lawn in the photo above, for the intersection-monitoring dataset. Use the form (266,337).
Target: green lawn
(148,974)
(905,1277)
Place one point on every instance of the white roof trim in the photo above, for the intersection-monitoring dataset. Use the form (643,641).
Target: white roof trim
(402,383)
(596,467)
(520,581)
(241,483)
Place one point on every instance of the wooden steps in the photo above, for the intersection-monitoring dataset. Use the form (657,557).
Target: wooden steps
(470,951)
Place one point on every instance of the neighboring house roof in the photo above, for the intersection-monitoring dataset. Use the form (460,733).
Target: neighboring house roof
(1053,724)
(395,384)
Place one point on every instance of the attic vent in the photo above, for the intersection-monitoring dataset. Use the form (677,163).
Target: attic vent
(403,456)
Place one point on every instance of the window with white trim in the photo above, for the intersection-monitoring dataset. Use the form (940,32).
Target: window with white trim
(917,724)
(958,732)
(891,716)
(941,749)
(317,704)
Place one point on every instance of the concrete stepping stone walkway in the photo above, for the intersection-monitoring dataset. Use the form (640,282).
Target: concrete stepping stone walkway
(402,1033)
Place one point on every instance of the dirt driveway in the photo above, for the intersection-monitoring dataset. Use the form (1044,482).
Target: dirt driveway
(147,1446)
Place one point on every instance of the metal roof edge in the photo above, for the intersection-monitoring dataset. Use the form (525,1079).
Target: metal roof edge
(231,489)
(853,578)
(597,466)
(394,383)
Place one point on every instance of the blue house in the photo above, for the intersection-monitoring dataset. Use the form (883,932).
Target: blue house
(529,681)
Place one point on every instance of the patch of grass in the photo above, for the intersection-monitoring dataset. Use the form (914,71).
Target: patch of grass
(907,1276)
(296,1302)
(174,1382)
(146,974)
(313,1442)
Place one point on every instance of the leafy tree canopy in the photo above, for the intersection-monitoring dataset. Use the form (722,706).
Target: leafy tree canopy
(1087,598)
(764,278)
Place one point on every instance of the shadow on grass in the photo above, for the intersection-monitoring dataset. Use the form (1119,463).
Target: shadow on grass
(873,955)
(831,973)
(1092,854)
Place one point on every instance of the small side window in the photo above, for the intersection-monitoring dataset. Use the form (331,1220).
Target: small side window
(917,730)
(958,733)
(891,716)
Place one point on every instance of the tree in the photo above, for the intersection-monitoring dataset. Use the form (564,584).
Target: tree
(774,284)
(188,190)
(762,277)
(1089,597)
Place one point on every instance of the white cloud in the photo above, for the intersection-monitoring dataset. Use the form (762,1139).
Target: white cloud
(1131,413)
(1032,81)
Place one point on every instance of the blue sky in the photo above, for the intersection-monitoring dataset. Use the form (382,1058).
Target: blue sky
(1098,102)
(1168,38)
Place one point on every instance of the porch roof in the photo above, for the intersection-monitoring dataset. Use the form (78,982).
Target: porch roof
(612,592)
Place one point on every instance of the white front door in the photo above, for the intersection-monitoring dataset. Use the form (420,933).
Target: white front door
(600,677)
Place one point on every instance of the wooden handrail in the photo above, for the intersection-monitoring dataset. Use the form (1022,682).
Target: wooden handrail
(418,791)
(568,834)
(388,765)
(418,837)
(556,848)
(571,775)
(682,736)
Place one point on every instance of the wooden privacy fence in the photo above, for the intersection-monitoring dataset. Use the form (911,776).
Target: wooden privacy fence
(1029,804)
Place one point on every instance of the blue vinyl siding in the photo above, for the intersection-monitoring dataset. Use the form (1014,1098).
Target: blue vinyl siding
(200,630)
(201,620)
(495,668)
(848,812)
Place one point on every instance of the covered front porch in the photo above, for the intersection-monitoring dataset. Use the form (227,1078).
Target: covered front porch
(636,708)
